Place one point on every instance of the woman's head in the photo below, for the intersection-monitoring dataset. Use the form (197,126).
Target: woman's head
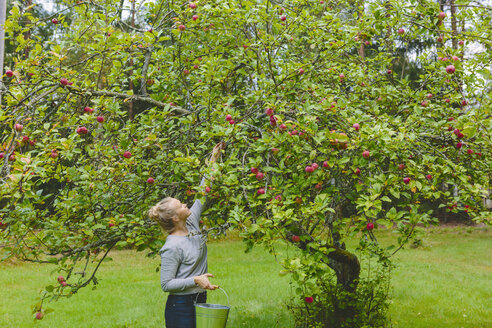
(169,212)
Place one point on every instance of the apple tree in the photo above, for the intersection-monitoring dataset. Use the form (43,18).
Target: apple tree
(327,142)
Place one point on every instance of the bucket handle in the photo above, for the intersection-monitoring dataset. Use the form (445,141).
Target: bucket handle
(228,304)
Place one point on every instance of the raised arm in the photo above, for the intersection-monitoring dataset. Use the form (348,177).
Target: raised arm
(196,209)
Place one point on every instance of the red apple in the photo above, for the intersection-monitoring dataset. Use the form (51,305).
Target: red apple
(228,117)
(450,69)
(82,130)
(325,164)
(389,71)
(469,151)
(64,283)
(260,176)
(55,21)
(2,155)
(283,18)
(464,102)
(260,191)
(370,226)
(461,43)
(356,126)
(309,299)
(269,111)
(9,73)
(424,103)
(207,189)
(60,279)
(455,58)
(12,158)
(428,177)
(18,127)
(182,27)
(315,165)
(456,131)
(283,126)
(295,239)
(54,154)
(442,15)
(273,120)
(39,315)
(309,169)
(319,186)
(186,71)
(63,81)
(232,122)
(429,95)
(401,31)
(254,170)
(150,180)
(194,17)
(460,135)
(88,109)
(440,39)
(447,100)
(366,154)
(406,180)
(357,171)
(111,224)
(401,167)
(127,154)
(100,119)
(341,76)
(192,5)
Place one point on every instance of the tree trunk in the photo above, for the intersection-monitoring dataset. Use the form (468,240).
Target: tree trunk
(27,33)
(347,269)
(454,25)
(130,73)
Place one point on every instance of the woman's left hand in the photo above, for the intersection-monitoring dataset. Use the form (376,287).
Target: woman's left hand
(203,281)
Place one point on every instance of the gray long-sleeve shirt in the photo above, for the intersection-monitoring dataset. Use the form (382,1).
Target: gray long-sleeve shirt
(183,257)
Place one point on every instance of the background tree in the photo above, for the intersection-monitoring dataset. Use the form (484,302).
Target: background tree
(323,144)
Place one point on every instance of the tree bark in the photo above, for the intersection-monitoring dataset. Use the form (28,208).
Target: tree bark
(454,25)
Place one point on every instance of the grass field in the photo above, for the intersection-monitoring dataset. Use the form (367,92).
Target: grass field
(445,283)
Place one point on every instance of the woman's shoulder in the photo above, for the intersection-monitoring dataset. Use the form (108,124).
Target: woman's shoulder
(171,244)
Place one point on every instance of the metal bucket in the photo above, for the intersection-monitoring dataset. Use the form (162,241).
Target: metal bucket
(212,315)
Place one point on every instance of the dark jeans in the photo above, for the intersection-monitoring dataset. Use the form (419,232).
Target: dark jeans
(180,312)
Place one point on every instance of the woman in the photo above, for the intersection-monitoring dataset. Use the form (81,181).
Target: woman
(183,257)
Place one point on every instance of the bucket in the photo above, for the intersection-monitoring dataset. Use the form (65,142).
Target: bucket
(212,315)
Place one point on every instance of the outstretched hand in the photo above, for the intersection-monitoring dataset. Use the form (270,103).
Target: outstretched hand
(216,151)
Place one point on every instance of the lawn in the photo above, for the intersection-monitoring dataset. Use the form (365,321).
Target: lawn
(445,283)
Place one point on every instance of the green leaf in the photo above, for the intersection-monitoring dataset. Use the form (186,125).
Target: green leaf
(386,199)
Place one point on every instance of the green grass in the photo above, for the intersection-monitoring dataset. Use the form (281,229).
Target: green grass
(445,283)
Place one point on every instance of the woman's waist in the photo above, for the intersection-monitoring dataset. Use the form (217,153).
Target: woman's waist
(187,298)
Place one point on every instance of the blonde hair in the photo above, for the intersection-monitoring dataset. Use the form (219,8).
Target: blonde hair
(163,214)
